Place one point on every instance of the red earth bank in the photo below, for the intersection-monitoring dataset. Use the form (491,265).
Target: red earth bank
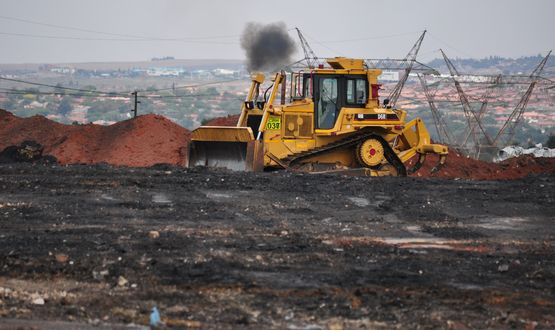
(152,139)
(143,141)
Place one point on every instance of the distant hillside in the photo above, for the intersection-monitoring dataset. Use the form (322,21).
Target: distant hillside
(497,64)
(488,65)
(190,64)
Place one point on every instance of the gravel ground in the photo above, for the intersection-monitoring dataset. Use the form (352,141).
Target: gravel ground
(101,245)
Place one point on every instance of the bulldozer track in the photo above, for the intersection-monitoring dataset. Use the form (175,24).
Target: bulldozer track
(293,160)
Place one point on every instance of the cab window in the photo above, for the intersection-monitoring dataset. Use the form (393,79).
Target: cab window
(356,92)
(361,91)
(327,103)
(307,86)
(351,91)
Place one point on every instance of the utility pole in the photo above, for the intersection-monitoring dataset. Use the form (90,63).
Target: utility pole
(472,118)
(475,129)
(441,126)
(409,62)
(309,56)
(485,100)
(136,102)
(509,128)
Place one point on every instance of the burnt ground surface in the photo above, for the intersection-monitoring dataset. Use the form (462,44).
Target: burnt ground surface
(273,250)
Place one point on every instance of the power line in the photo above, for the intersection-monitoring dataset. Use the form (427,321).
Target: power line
(23,92)
(187,96)
(193,86)
(115,39)
(64,27)
(101,93)
(120,93)
(323,45)
(61,87)
(371,38)
(448,45)
(110,33)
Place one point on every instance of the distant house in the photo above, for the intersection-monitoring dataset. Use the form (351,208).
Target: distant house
(63,70)
(389,76)
(165,72)
(225,73)
(199,74)
(165,58)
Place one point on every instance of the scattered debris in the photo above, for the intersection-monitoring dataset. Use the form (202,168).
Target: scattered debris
(122,281)
(155,320)
(503,268)
(36,299)
(100,275)
(62,258)
(27,151)
(188,324)
(516,151)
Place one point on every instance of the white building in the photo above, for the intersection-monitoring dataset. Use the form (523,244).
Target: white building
(63,70)
(389,76)
(165,72)
(224,73)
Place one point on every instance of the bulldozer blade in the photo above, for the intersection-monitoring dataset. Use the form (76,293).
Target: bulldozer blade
(230,147)
(236,156)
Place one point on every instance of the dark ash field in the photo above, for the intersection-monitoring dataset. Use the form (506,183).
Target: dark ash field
(273,250)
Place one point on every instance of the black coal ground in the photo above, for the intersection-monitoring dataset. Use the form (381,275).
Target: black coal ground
(274,250)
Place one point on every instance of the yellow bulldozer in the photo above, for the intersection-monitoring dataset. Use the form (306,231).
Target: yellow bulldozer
(333,122)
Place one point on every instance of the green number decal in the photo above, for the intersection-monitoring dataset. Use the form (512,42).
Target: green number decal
(274,123)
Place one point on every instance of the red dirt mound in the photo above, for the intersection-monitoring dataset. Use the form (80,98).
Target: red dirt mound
(230,120)
(143,141)
(459,166)
(151,139)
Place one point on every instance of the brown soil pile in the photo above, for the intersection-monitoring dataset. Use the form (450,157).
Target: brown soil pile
(230,120)
(459,166)
(152,139)
(143,141)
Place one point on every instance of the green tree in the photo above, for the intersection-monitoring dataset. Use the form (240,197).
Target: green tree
(211,91)
(550,141)
(65,106)
(59,89)
(11,102)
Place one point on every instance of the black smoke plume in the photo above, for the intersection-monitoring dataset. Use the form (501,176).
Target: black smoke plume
(267,46)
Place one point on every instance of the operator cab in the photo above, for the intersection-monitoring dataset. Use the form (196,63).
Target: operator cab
(333,89)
